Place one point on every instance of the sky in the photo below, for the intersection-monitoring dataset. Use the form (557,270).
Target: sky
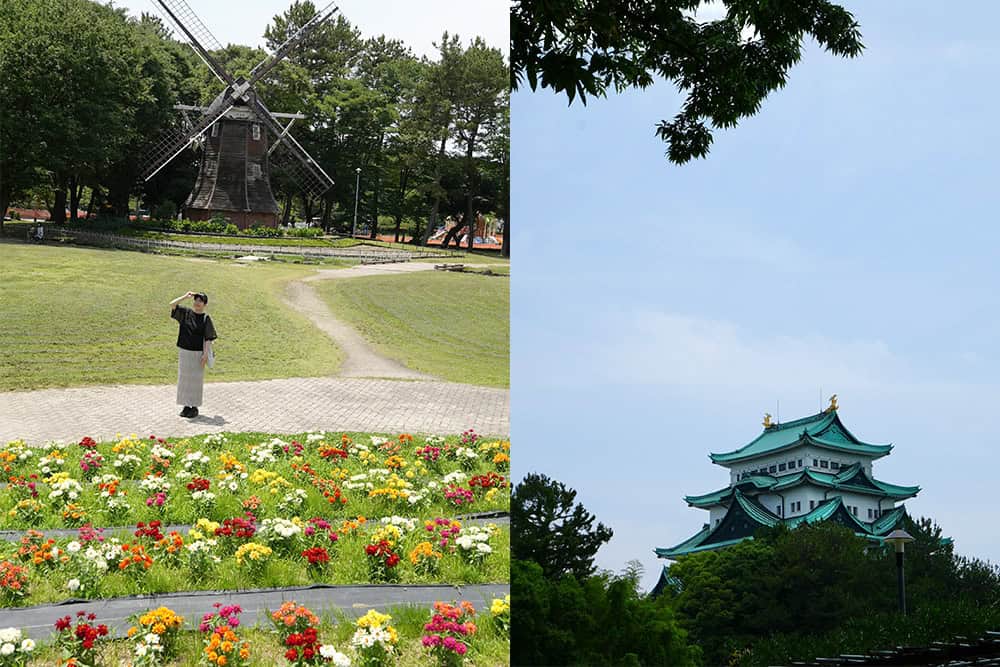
(841,241)
(417,24)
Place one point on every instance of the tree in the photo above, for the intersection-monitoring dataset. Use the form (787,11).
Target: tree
(549,530)
(481,99)
(586,47)
(599,620)
(439,94)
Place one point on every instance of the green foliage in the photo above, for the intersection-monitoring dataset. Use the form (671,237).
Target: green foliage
(264,232)
(551,531)
(588,47)
(91,87)
(936,621)
(304,232)
(824,581)
(599,620)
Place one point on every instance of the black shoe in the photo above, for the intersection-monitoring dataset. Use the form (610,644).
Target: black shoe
(194,412)
(186,412)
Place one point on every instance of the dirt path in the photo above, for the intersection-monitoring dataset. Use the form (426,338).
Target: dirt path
(361,360)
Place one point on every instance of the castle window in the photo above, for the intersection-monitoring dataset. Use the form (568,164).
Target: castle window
(834,465)
(815,463)
(781,467)
(791,465)
(854,510)
(824,464)
(870,513)
(779,510)
(800,463)
(772,469)
(812,504)
(256,132)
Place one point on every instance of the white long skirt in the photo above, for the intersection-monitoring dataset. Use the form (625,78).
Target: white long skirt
(190,377)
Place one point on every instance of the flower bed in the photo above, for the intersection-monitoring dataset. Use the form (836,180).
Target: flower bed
(243,553)
(262,512)
(220,476)
(448,634)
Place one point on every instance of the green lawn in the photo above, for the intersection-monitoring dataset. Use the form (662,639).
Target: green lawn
(78,316)
(451,325)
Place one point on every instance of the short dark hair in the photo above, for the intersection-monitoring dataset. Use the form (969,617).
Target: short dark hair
(201,296)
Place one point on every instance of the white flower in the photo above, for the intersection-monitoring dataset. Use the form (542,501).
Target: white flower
(73,585)
(73,547)
(152,638)
(28,645)
(161,452)
(7,649)
(8,635)
(140,650)
(331,653)
(404,524)
(457,477)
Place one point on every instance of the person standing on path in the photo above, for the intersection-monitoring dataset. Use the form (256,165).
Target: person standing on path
(194,348)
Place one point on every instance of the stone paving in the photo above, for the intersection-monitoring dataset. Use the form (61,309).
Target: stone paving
(275,406)
(365,401)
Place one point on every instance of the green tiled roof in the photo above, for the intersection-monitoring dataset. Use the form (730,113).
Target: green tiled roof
(853,478)
(745,516)
(823,429)
(715,497)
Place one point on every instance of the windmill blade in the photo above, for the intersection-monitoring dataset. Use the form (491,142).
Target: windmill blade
(199,37)
(290,157)
(266,65)
(168,145)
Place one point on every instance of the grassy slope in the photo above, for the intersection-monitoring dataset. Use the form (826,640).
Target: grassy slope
(453,326)
(76,316)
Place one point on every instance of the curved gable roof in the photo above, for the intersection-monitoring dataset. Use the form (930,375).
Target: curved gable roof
(823,429)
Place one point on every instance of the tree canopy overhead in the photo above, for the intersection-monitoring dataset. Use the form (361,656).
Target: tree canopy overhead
(725,67)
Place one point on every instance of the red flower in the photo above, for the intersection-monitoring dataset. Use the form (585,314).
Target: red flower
(291,655)
(63,623)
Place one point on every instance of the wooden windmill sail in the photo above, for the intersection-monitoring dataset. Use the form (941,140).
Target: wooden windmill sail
(243,140)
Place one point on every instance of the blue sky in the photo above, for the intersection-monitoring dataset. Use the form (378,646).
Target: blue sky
(843,241)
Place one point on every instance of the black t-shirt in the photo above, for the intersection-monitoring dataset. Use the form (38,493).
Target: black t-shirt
(195,329)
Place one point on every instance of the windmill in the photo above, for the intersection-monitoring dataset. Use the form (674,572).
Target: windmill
(236,130)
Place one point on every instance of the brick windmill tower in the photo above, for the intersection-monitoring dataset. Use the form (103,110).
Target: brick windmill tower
(242,139)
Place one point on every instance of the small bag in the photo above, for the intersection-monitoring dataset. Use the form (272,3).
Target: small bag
(211,357)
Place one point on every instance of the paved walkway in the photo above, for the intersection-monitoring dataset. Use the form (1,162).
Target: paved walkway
(360,400)
(274,406)
(355,601)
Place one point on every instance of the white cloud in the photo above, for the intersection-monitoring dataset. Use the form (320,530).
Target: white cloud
(668,349)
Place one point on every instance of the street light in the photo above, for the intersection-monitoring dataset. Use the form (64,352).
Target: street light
(357,184)
(898,539)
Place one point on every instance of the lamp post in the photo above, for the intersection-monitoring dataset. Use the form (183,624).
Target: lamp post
(357,185)
(898,539)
